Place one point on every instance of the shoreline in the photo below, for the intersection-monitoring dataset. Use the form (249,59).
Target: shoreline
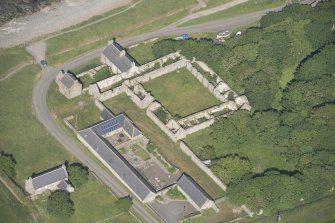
(54,18)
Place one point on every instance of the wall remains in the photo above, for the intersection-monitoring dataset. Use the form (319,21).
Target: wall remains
(201,165)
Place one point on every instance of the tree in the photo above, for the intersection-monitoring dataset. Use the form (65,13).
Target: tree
(78,174)
(123,204)
(7,164)
(231,168)
(60,205)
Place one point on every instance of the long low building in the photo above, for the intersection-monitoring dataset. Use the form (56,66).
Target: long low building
(95,139)
(194,193)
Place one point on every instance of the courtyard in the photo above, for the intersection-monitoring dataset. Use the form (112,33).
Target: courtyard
(181,93)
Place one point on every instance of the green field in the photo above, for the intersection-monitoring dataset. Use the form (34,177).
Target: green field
(12,58)
(148,15)
(166,147)
(142,53)
(11,210)
(244,8)
(181,93)
(82,108)
(35,150)
(21,134)
(93,202)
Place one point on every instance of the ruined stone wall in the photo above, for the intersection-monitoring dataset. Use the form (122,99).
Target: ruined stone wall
(111,93)
(162,126)
(159,72)
(201,165)
(199,127)
(91,72)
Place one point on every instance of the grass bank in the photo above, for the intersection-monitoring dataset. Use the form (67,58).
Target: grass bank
(35,150)
(244,8)
(146,16)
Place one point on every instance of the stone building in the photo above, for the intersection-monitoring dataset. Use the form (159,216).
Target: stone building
(194,193)
(68,84)
(117,59)
(53,179)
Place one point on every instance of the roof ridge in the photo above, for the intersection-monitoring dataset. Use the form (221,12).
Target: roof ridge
(47,172)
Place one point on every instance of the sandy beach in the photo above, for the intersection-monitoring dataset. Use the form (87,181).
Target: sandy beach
(52,19)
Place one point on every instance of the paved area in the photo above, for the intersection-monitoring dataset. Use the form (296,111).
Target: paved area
(173,211)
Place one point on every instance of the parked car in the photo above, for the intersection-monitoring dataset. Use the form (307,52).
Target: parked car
(44,63)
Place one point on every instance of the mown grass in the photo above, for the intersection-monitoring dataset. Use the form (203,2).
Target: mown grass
(90,65)
(214,3)
(35,150)
(12,210)
(93,202)
(181,93)
(82,108)
(166,147)
(146,16)
(12,58)
(244,8)
(143,52)
(21,134)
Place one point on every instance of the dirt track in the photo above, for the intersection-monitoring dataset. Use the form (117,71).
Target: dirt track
(68,13)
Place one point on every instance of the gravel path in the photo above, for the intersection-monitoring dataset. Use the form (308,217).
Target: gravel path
(48,20)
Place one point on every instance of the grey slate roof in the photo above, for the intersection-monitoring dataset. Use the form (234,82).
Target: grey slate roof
(68,80)
(62,185)
(193,190)
(106,114)
(113,53)
(49,177)
(120,121)
(118,163)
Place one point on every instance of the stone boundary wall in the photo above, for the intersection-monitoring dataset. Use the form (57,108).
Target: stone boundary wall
(161,60)
(161,125)
(159,72)
(91,72)
(201,165)
(200,126)
(126,75)
(99,104)
(111,93)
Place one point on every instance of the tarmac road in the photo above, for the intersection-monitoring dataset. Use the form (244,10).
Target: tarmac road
(45,117)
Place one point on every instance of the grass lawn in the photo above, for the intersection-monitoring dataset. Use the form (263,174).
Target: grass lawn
(143,52)
(148,15)
(82,108)
(181,93)
(11,210)
(321,211)
(261,156)
(244,8)
(93,202)
(21,134)
(90,65)
(100,75)
(12,58)
(35,150)
(166,147)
